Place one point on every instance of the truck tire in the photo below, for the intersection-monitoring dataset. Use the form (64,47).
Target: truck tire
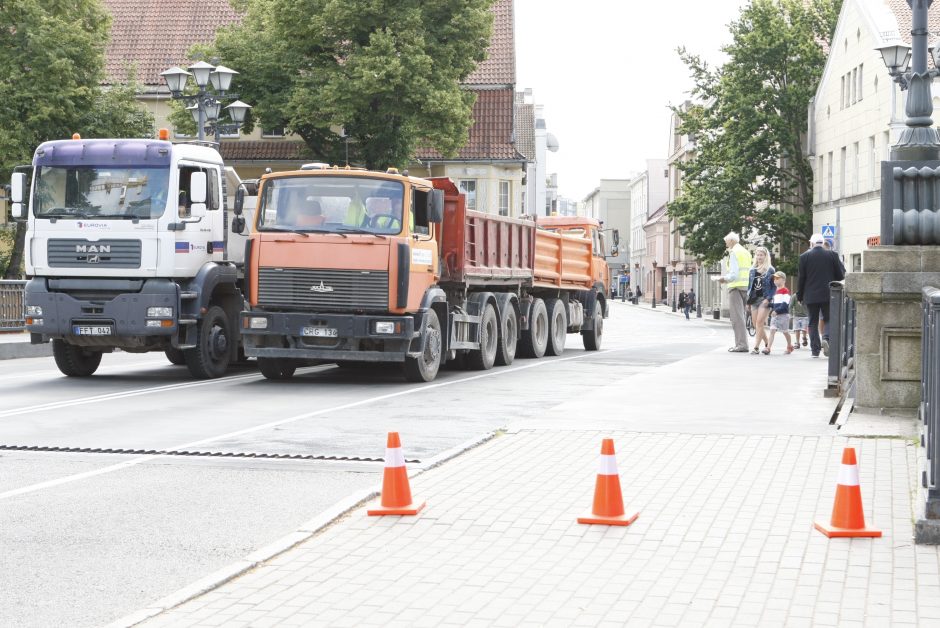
(175,356)
(211,355)
(424,368)
(508,335)
(557,327)
(484,358)
(276,368)
(533,340)
(75,361)
(592,337)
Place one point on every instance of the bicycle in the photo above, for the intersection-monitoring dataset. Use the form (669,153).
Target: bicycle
(748,323)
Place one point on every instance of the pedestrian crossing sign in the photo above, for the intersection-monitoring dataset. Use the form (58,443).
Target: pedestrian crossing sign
(828,232)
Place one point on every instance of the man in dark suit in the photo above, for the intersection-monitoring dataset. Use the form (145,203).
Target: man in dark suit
(818,267)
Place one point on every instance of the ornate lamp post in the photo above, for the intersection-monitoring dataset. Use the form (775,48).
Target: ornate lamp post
(206,105)
(907,180)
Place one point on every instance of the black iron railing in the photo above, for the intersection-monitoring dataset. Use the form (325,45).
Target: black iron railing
(12,311)
(841,330)
(930,398)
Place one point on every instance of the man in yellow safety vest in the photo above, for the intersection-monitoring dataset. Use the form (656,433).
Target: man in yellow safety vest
(737,265)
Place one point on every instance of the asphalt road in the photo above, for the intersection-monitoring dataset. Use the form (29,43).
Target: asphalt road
(88,537)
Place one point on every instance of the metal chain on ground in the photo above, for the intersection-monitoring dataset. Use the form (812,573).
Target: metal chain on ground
(207,454)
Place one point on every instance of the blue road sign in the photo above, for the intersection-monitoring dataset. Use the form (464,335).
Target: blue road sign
(828,232)
(675,279)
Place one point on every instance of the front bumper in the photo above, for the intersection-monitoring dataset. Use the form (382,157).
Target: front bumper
(355,338)
(120,305)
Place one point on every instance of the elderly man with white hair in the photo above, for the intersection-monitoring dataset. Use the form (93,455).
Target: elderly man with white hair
(737,265)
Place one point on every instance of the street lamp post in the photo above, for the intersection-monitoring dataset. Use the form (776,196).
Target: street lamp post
(910,175)
(206,105)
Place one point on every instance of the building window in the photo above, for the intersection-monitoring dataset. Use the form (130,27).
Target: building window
(854,82)
(504,198)
(829,198)
(856,183)
(887,153)
(842,96)
(861,67)
(469,187)
(873,157)
(842,173)
(234,135)
(820,174)
(274,132)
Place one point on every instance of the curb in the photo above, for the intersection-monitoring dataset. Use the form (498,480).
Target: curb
(307,530)
(24,349)
(666,309)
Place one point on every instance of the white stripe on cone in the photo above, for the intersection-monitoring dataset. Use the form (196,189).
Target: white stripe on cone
(394,457)
(848,475)
(608,465)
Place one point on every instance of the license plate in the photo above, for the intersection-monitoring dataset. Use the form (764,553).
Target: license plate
(319,332)
(91,330)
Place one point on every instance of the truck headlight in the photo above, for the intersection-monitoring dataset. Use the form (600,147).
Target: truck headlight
(159,312)
(33,310)
(384,327)
(257,322)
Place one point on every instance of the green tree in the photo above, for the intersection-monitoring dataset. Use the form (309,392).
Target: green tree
(749,172)
(51,72)
(388,72)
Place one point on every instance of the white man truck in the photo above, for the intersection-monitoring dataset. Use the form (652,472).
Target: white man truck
(128,247)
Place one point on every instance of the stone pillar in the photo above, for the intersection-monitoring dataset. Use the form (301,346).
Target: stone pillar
(888,295)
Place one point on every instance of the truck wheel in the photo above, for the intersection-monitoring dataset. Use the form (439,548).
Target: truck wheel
(508,335)
(484,358)
(424,368)
(592,337)
(75,361)
(175,356)
(533,341)
(557,327)
(276,368)
(211,355)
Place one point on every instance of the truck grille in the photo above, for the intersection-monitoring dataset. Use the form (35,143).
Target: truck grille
(323,290)
(99,253)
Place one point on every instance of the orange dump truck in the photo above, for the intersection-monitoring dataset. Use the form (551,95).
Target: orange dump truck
(353,267)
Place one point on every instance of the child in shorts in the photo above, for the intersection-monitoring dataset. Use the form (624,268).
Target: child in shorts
(800,321)
(781,313)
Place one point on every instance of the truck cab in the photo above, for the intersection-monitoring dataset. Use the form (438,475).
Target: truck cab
(128,248)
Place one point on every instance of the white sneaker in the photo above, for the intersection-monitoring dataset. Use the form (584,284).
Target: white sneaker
(825,347)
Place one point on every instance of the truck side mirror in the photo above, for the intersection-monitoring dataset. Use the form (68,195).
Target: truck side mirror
(239,203)
(197,188)
(17,187)
(616,233)
(436,206)
(238,224)
(197,210)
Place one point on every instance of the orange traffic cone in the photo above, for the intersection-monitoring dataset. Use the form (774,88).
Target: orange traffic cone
(396,493)
(848,519)
(608,500)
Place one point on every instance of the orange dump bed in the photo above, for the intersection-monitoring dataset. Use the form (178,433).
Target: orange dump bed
(484,249)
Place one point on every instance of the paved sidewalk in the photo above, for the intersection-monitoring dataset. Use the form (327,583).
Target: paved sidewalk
(727,495)
(724,537)
(17,345)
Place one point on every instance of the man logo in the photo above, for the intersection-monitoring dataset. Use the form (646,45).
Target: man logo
(92,248)
(321,288)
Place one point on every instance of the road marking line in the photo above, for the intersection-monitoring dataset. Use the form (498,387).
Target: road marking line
(109,368)
(409,391)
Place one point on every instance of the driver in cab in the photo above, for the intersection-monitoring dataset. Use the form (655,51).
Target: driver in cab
(382,214)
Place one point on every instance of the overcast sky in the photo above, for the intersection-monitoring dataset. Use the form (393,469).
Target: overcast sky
(606,73)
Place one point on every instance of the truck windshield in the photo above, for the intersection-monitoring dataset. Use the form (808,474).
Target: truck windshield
(331,205)
(99,192)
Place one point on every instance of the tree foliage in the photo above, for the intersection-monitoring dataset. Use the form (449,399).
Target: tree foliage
(51,70)
(388,72)
(749,173)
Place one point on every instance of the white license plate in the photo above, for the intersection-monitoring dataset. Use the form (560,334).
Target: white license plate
(319,332)
(91,330)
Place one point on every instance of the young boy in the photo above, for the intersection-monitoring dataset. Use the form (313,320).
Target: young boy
(781,310)
(800,321)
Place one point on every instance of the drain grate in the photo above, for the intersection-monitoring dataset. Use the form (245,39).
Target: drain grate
(205,454)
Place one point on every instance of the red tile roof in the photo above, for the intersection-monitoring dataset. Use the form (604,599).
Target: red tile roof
(491,134)
(275,150)
(155,35)
(499,67)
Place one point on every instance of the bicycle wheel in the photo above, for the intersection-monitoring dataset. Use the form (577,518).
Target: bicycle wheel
(749,323)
